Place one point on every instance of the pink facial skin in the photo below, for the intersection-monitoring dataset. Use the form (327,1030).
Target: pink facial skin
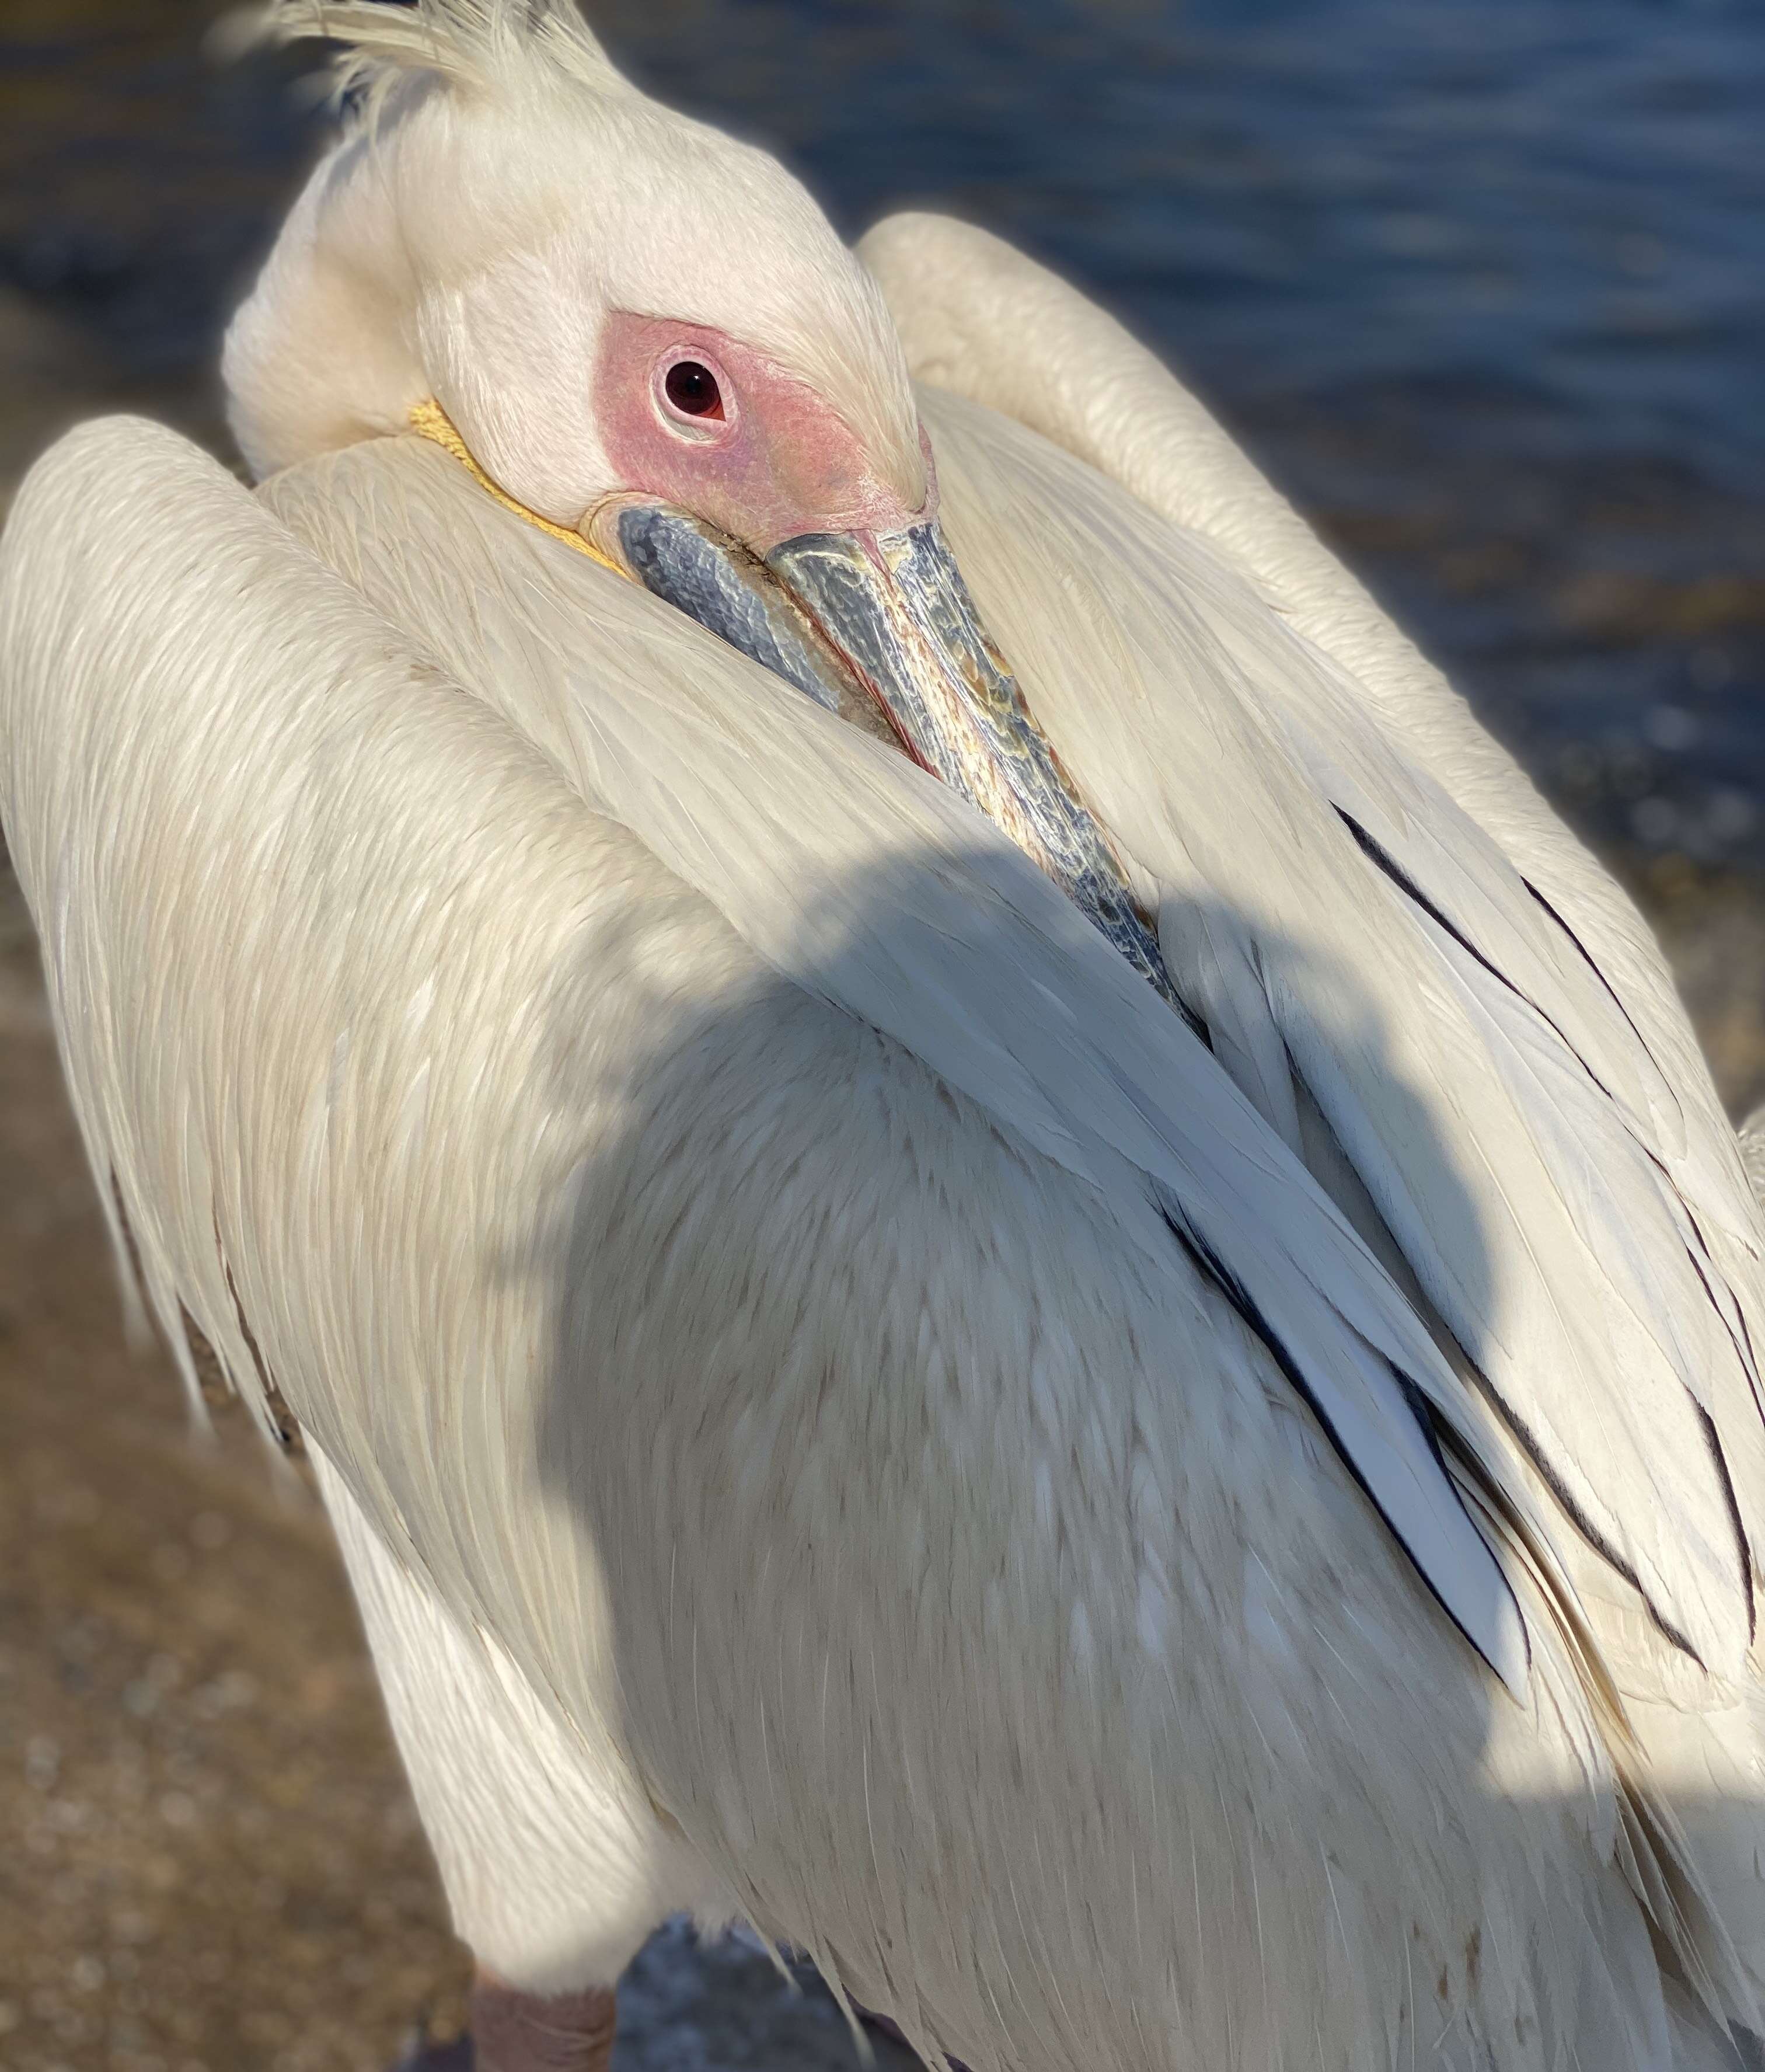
(778,462)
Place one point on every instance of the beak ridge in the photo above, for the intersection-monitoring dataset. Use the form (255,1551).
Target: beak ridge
(880,630)
(897,608)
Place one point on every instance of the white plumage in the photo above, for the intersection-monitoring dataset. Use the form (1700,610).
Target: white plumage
(839,1406)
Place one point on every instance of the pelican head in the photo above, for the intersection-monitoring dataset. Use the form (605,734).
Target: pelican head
(646,335)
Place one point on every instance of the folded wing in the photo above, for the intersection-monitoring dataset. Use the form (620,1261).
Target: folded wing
(1561,1183)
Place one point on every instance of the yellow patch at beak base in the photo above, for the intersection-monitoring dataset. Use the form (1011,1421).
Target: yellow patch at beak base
(430,420)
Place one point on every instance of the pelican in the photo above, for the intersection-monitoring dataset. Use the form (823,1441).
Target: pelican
(992,1252)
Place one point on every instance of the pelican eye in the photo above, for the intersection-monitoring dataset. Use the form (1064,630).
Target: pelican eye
(691,388)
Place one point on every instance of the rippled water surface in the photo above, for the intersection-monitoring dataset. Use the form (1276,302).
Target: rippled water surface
(1483,280)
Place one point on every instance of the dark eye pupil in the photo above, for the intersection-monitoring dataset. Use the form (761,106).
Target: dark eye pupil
(693,389)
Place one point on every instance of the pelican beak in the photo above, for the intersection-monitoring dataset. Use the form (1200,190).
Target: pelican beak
(881,629)
(732,593)
(895,606)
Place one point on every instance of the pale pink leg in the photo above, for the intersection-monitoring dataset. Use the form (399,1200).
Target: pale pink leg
(517,2031)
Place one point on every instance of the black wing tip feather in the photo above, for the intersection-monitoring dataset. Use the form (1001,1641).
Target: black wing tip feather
(1388,865)
(1208,1264)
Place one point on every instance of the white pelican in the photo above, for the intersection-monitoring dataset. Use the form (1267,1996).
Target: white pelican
(1117,1393)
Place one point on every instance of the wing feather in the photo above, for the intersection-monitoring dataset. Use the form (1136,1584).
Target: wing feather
(980,319)
(1517,1136)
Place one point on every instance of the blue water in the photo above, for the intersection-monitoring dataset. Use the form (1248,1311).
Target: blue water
(1482,281)
(1559,204)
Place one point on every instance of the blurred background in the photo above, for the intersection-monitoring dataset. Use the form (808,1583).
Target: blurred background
(1481,282)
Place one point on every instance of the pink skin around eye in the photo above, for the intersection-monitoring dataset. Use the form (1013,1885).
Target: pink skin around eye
(779,462)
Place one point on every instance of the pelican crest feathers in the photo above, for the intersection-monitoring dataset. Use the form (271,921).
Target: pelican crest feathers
(486,49)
